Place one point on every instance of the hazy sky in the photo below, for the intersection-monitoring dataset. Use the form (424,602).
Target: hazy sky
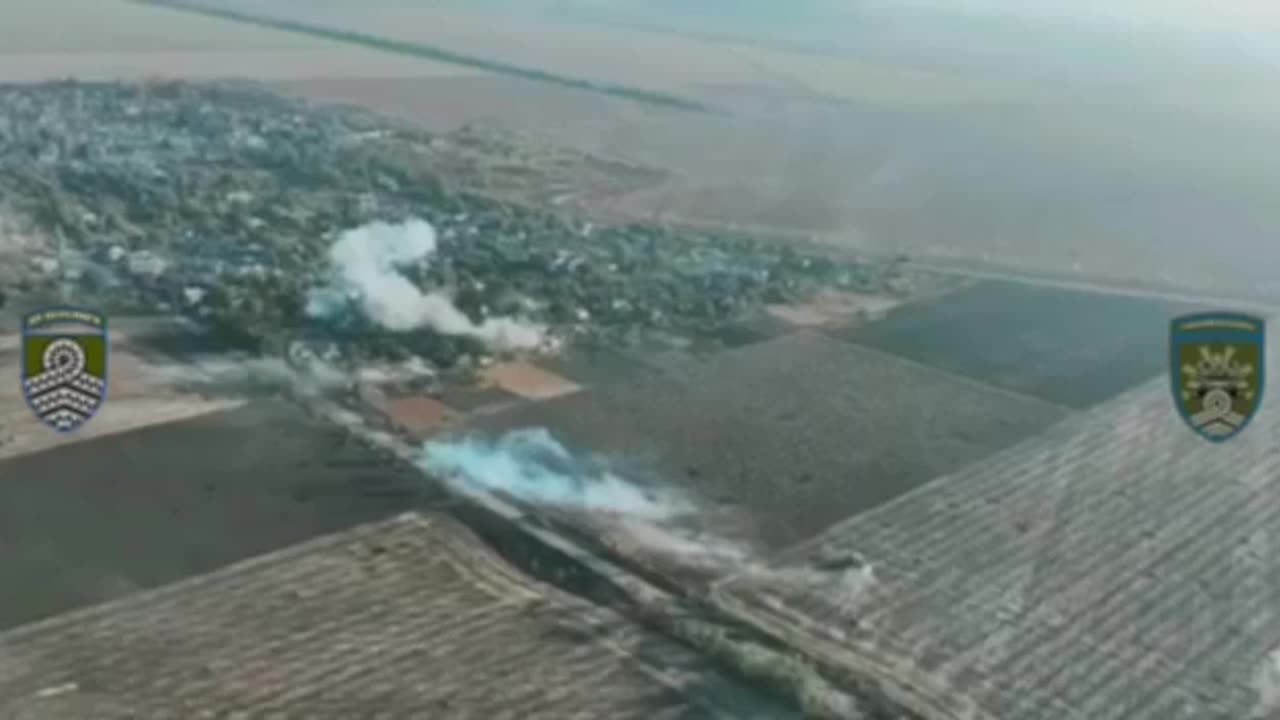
(1149,36)
(1259,20)
(1248,15)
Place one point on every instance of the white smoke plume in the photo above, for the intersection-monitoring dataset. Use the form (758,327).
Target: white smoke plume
(683,545)
(368,263)
(1266,682)
(533,467)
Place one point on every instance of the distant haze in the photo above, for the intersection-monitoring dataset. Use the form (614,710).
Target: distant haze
(1139,136)
(1083,41)
(1199,13)
(1129,140)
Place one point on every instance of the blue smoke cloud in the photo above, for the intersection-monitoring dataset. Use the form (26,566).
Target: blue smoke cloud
(531,466)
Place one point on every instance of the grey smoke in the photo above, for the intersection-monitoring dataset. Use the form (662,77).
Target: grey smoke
(238,374)
(368,264)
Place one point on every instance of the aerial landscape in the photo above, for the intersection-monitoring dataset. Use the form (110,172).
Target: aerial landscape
(634,360)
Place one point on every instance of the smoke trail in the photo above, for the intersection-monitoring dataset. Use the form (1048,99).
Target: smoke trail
(240,374)
(686,546)
(533,467)
(367,264)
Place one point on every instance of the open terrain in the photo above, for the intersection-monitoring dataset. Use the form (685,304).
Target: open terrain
(1008,520)
(104,517)
(410,617)
(139,396)
(119,40)
(872,150)
(788,435)
(1115,566)
(1073,175)
(1070,348)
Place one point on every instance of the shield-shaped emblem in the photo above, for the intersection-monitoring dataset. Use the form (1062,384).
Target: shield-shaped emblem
(64,365)
(1217,363)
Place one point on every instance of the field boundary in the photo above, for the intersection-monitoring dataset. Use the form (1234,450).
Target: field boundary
(744,646)
(1263,303)
(436,53)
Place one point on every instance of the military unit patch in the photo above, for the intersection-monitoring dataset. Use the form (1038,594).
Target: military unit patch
(1217,363)
(64,365)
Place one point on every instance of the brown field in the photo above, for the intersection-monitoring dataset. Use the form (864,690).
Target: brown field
(419,416)
(658,61)
(117,40)
(411,616)
(107,516)
(137,398)
(785,436)
(529,381)
(725,170)
(1107,568)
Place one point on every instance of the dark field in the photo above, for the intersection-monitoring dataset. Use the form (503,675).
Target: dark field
(790,435)
(1071,348)
(101,518)
(780,438)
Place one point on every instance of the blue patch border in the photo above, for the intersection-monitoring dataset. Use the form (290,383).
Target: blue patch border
(1179,337)
(106,363)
